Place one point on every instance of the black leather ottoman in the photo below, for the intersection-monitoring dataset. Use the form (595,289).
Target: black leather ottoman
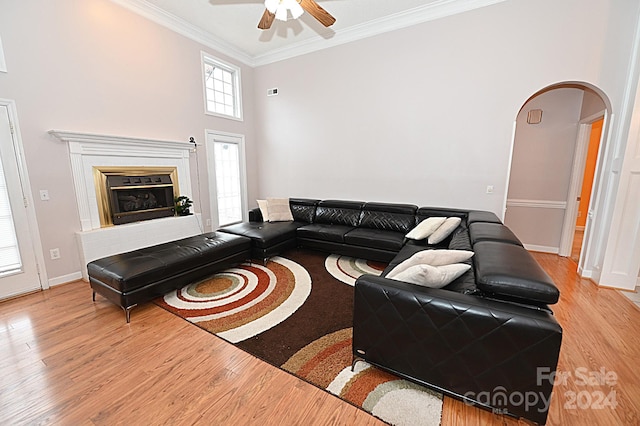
(139,276)
(267,238)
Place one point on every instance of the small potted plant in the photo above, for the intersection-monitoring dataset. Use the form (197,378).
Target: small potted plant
(183,203)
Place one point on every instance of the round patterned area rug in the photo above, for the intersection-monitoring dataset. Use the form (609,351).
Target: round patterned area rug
(296,313)
(241,302)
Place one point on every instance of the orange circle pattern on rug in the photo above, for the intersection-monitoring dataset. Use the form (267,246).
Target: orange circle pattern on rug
(241,302)
(326,362)
(347,269)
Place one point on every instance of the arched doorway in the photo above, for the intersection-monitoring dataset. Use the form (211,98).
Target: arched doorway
(550,150)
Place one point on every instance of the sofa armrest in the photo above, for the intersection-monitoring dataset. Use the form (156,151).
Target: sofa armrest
(482,351)
(255,215)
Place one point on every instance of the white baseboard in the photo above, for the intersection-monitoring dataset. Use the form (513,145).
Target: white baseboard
(63,279)
(543,249)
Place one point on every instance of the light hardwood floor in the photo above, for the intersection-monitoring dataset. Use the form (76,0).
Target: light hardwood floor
(65,360)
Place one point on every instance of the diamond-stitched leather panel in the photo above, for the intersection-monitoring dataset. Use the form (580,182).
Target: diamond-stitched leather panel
(336,216)
(334,212)
(387,221)
(463,344)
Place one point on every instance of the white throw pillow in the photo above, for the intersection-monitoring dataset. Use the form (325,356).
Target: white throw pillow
(444,230)
(279,210)
(433,258)
(264,210)
(426,228)
(432,276)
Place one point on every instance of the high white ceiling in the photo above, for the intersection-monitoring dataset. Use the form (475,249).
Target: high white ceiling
(232,24)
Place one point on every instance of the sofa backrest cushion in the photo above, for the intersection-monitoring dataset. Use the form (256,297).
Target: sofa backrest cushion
(336,212)
(425,212)
(482,231)
(303,209)
(509,270)
(482,216)
(389,217)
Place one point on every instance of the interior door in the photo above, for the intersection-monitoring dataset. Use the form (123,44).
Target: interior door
(18,266)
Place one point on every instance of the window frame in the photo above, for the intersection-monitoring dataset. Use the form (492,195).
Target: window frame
(207,59)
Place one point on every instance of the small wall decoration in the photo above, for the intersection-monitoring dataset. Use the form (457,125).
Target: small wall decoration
(534,116)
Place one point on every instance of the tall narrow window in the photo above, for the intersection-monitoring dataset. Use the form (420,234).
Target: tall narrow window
(227,178)
(221,88)
(9,253)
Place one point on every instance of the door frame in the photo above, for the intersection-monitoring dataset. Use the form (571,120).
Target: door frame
(575,185)
(34,230)
(210,137)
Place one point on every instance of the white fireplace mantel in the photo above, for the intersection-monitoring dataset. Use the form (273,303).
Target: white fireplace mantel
(87,150)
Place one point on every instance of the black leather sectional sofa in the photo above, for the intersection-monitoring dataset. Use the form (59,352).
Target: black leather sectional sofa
(488,338)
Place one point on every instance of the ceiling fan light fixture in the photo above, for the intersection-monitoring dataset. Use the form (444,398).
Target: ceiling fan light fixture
(294,7)
(282,13)
(272,5)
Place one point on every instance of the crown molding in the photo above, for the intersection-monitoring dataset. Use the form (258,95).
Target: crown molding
(182,27)
(429,12)
(432,11)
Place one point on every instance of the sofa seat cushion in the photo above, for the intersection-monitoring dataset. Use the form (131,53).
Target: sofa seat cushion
(375,238)
(129,271)
(482,231)
(509,270)
(320,231)
(264,234)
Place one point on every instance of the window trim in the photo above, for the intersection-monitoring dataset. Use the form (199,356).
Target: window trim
(206,58)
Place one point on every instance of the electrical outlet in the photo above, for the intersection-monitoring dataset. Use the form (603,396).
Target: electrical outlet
(490,189)
(54,253)
(208,223)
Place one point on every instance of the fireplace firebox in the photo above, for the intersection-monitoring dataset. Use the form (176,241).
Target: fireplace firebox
(136,198)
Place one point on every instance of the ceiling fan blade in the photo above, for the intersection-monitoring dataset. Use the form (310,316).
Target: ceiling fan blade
(267,20)
(317,12)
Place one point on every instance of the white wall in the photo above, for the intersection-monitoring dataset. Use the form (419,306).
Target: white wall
(425,114)
(541,168)
(92,66)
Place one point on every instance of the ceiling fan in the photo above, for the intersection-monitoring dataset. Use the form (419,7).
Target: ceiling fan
(279,9)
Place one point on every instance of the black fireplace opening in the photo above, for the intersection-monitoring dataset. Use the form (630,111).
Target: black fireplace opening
(136,198)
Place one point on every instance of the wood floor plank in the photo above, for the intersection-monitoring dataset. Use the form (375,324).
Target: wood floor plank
(70,361)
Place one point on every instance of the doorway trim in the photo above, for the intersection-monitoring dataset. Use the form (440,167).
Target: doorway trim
(577,177)
(210,138)
(34,230)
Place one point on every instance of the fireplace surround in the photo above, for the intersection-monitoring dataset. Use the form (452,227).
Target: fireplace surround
(94,157)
